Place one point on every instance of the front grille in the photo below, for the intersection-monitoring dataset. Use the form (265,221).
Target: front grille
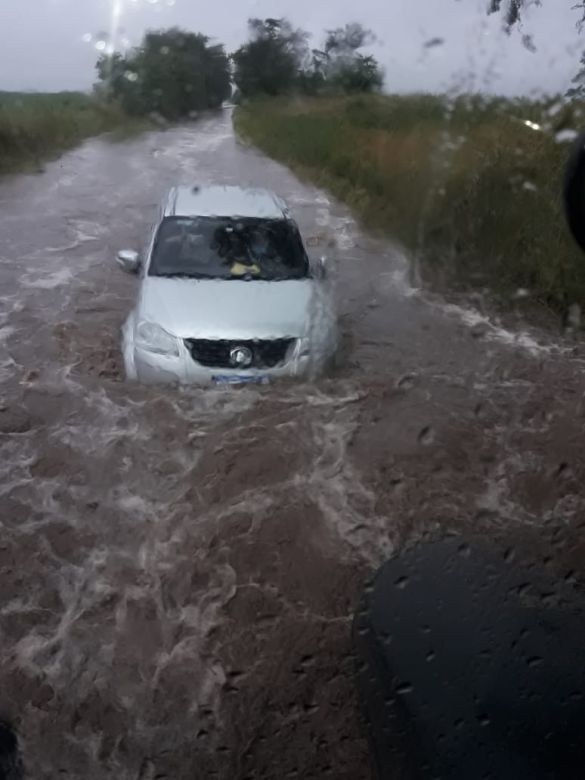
(217,353)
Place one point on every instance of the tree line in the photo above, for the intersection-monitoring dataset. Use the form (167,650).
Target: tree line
(175,73)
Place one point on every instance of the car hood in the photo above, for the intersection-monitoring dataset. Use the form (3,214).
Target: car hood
(228,309)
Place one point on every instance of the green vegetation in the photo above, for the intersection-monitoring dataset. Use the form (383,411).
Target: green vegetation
(468,187)
(36,126)
(172,74)
(175,74)
(277,60)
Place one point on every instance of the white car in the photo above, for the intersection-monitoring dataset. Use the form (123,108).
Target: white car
(227,293)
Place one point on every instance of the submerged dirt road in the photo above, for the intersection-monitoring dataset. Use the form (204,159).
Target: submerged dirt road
(179,567)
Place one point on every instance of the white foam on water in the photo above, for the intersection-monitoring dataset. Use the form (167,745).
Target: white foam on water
(8,368)
(6,332)
(397,280)
(65,248)
(49,281)
(323,217)
(86,230)
(329,478)
(338,490)
(345,232)
(520,339)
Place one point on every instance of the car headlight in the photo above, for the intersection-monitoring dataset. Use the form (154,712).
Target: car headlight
(153,338)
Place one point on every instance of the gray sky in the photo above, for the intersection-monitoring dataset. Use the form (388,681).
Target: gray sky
(50,44)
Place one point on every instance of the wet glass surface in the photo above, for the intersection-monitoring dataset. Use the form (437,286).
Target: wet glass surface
(180,566)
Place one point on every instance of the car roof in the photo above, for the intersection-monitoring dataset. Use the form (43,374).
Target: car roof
(224,202)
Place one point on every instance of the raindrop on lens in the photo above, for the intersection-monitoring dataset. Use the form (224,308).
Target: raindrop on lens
(427,436)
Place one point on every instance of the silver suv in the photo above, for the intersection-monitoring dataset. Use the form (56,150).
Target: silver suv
(227,293)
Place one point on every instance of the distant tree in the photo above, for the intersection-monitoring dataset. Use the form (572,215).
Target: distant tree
(313,78)
(512,9)
(345,41)
(361,74)
(578,88)
(173,73)
(277,60)
(272,59)
(343,66)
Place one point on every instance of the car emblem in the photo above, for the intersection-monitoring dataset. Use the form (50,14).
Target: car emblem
(241,357)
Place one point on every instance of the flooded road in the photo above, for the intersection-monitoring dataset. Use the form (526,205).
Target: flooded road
(179,567)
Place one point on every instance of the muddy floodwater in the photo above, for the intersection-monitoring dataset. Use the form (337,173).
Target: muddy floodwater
(179,566)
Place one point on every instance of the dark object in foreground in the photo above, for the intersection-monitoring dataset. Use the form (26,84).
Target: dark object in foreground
(10,763)
(470,667)
(574,191)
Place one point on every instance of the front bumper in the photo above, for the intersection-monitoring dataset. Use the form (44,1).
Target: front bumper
(150,368)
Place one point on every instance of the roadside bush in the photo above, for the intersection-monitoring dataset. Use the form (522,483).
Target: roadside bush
(466,185)
(36,126)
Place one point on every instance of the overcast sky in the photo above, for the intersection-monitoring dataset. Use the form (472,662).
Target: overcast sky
(50,44)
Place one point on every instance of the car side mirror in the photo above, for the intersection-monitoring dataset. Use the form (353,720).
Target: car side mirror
(128,260)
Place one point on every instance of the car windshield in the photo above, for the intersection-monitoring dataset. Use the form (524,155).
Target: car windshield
(228,248)
(287,297)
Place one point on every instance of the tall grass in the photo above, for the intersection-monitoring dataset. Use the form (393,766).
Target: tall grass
(466,185)
(35,126)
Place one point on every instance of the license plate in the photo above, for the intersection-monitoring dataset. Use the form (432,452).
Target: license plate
(240,380)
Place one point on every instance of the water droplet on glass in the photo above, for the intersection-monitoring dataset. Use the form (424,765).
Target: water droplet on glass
(484,720)
(431,655)
(401,583)
(480,330)
(573,317)
(535,661)
(555,109)
(566,136)
(406,382)
(404,687)
(433,43)
(509,555)
(427,436)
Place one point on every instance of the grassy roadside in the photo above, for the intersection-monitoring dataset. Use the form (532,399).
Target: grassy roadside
(467,187)
(37,126)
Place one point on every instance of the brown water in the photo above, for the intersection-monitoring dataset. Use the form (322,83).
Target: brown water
(179,567)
